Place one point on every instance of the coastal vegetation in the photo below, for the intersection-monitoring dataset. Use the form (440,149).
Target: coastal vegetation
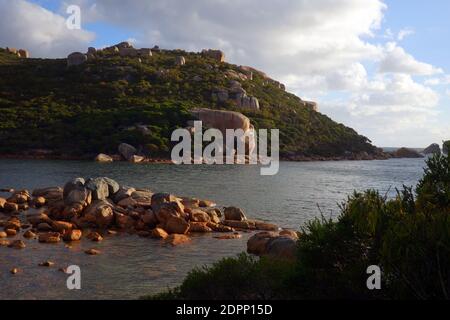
(90,108)
(408,237)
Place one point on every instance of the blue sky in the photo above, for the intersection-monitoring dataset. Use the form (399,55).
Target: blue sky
(381,67)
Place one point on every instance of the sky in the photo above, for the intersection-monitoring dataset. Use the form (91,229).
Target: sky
(381,67)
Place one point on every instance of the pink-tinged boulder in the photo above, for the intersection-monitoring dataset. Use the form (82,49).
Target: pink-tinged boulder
(94,236)
(250,225)
(219,227)
(233,213)
(123,221)
(17,244)
(159,233)
(50,237)
(176,225)
(197,215)
(100,212)
(73,235)
(62,226)
(289,233)
(200,227)
(92,252)
(257,244)
(166,210)
(177,239)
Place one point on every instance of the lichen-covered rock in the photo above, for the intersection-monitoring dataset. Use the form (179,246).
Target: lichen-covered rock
(99,188)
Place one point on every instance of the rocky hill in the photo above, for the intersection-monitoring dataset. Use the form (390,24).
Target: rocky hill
(91,102)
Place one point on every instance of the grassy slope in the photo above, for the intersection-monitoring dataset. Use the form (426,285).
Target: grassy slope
(86,109)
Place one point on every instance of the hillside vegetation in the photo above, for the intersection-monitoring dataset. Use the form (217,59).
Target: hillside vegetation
(91,108)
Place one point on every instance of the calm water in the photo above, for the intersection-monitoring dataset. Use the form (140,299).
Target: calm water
(130,266)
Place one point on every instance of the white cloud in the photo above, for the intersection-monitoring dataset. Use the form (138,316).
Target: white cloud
(397,60)
(404,33)
(42,32)
(438,81)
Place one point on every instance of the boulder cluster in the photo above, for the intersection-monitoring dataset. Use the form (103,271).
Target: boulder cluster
(123,49)
(237,94)
(21,53)
(95,207)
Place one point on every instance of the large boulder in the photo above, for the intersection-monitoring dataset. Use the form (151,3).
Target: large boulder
(217,55)
(79,195)
(233,213)
(257,244)
(282,248)
(122,193)
(128,52)
(180,61)
(145,52)
(23,54)
(127,151)
(176,225)
(99,188)
(160,198)
(101,157)
(177,239)
(73,184)
(166,210)
(99,212)
(222,120)
(76,58)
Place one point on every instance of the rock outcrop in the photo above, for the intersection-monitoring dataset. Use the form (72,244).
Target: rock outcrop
(406,153)
(217,55)
(237,94)
(432,149)
(21,53)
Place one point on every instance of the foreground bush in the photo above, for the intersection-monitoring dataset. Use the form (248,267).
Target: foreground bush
(408,237)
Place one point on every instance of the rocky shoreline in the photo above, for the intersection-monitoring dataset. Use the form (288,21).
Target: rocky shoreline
(97,207)
(118,158)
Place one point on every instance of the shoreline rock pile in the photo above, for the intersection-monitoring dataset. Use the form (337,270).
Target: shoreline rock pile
(95,207)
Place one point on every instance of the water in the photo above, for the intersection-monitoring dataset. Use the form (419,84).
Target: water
(130,266)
